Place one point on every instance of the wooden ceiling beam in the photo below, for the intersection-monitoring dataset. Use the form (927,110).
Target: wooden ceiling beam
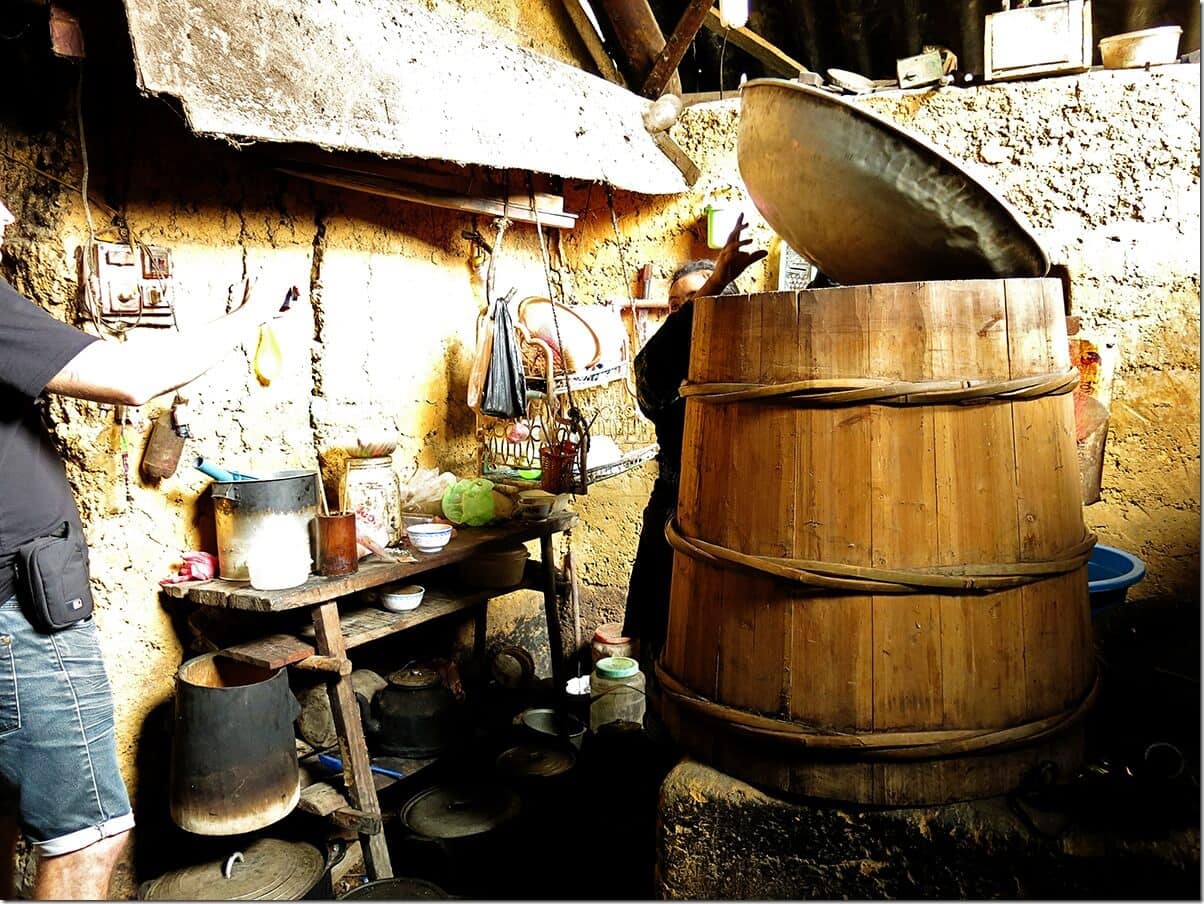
(675,48)
(756,46)
(592,40)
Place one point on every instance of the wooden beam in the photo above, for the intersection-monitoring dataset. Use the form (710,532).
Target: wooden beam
(675,48)
(674,151)
(592,41)
(755,46)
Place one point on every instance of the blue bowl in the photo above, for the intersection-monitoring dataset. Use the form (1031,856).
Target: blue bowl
(1110,574)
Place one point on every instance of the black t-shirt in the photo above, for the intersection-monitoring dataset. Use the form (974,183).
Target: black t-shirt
(34,494)
(660,368)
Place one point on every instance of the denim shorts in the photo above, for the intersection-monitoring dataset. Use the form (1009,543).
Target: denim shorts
(57,745)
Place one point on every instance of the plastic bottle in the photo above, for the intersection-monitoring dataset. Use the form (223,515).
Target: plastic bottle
(616,690)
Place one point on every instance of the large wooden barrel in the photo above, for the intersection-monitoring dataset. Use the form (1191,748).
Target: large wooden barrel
(880,582)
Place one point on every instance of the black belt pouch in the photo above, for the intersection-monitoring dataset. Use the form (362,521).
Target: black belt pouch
(52,577)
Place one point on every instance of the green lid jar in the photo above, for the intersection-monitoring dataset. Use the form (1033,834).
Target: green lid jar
(615,667)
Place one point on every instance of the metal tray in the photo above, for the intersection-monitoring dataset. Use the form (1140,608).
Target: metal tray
(868,202)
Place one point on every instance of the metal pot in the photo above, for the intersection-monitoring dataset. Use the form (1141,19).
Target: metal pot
(415,715)
(461,832)
(398,888)
(233,754)
(272,513)
(268,869)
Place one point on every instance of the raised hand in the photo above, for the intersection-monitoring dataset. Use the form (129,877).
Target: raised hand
(733,259)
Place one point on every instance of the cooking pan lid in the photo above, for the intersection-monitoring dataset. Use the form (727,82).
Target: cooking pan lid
(413,678)
(460,811)
(534,761)
(869,202)
(268,869)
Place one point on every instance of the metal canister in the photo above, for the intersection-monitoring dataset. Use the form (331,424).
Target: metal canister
(233,754)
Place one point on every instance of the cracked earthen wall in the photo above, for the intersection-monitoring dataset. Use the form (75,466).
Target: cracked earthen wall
(382,338)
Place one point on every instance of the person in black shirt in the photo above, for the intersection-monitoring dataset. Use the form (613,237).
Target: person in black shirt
(660,369)
(57,745)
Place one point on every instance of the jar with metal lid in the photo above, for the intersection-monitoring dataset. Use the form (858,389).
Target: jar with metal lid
(371,484)
(609,640)
(616,691)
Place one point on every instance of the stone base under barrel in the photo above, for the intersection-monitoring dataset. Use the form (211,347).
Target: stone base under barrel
(880,586)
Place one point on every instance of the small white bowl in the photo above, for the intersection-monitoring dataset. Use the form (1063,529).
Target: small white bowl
(428,538)
(402,599)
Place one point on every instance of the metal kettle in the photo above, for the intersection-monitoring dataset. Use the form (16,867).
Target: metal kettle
(414,715)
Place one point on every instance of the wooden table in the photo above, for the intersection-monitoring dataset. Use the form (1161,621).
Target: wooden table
(332,635)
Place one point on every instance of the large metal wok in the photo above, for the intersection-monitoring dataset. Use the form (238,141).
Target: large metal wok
(868,202)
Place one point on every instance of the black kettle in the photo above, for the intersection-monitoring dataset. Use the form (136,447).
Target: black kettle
(414,715)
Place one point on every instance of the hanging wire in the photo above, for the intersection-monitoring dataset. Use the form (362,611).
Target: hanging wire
(722,50)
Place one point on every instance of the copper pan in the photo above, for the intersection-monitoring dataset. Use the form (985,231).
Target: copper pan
(868,202)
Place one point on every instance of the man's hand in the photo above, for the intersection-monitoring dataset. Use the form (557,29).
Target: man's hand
(733,259)
(259,306)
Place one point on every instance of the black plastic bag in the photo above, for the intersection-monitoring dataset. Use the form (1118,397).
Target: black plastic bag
(505,393)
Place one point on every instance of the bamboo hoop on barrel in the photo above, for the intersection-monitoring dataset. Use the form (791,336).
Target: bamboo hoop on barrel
(904,745)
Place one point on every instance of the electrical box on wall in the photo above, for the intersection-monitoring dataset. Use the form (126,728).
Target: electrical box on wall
(133,285)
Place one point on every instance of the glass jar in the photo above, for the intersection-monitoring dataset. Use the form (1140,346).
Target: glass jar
(609,640)
(372,484)
(616,692)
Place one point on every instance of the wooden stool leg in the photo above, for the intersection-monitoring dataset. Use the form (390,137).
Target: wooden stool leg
(552,612)
(357,774)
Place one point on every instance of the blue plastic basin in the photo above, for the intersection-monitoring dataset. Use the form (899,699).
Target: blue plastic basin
(1110,574)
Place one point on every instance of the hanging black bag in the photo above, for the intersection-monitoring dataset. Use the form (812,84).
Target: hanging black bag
(505,393)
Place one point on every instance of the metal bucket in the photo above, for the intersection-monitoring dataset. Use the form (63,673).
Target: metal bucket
(233,756)
(272,514)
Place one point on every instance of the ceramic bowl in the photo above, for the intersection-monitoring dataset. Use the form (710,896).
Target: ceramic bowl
(402,599)
(428,538)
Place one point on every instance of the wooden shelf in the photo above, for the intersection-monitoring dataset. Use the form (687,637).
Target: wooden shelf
(369,623)
(372,572)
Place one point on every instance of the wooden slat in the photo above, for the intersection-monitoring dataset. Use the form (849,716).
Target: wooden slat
(983,650)
(832,520)
(756,46)
(361,626)
(1057,632)
(372,572)
(353,748)
(668,60)
(678,156)
(906,629)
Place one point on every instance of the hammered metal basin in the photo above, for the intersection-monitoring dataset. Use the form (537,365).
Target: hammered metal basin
(868,202)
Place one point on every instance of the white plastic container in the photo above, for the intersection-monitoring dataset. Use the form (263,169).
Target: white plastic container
(401,599)
(616,692)
(1149,46)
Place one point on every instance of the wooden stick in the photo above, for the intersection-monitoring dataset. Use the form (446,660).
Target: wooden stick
(675,48)
(755,46)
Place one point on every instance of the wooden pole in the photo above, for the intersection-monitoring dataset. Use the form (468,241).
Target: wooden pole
(675,48)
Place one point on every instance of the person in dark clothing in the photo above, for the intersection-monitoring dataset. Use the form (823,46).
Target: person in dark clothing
(57,745)
(660,369)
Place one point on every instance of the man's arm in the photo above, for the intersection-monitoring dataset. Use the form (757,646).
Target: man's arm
(149,364)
